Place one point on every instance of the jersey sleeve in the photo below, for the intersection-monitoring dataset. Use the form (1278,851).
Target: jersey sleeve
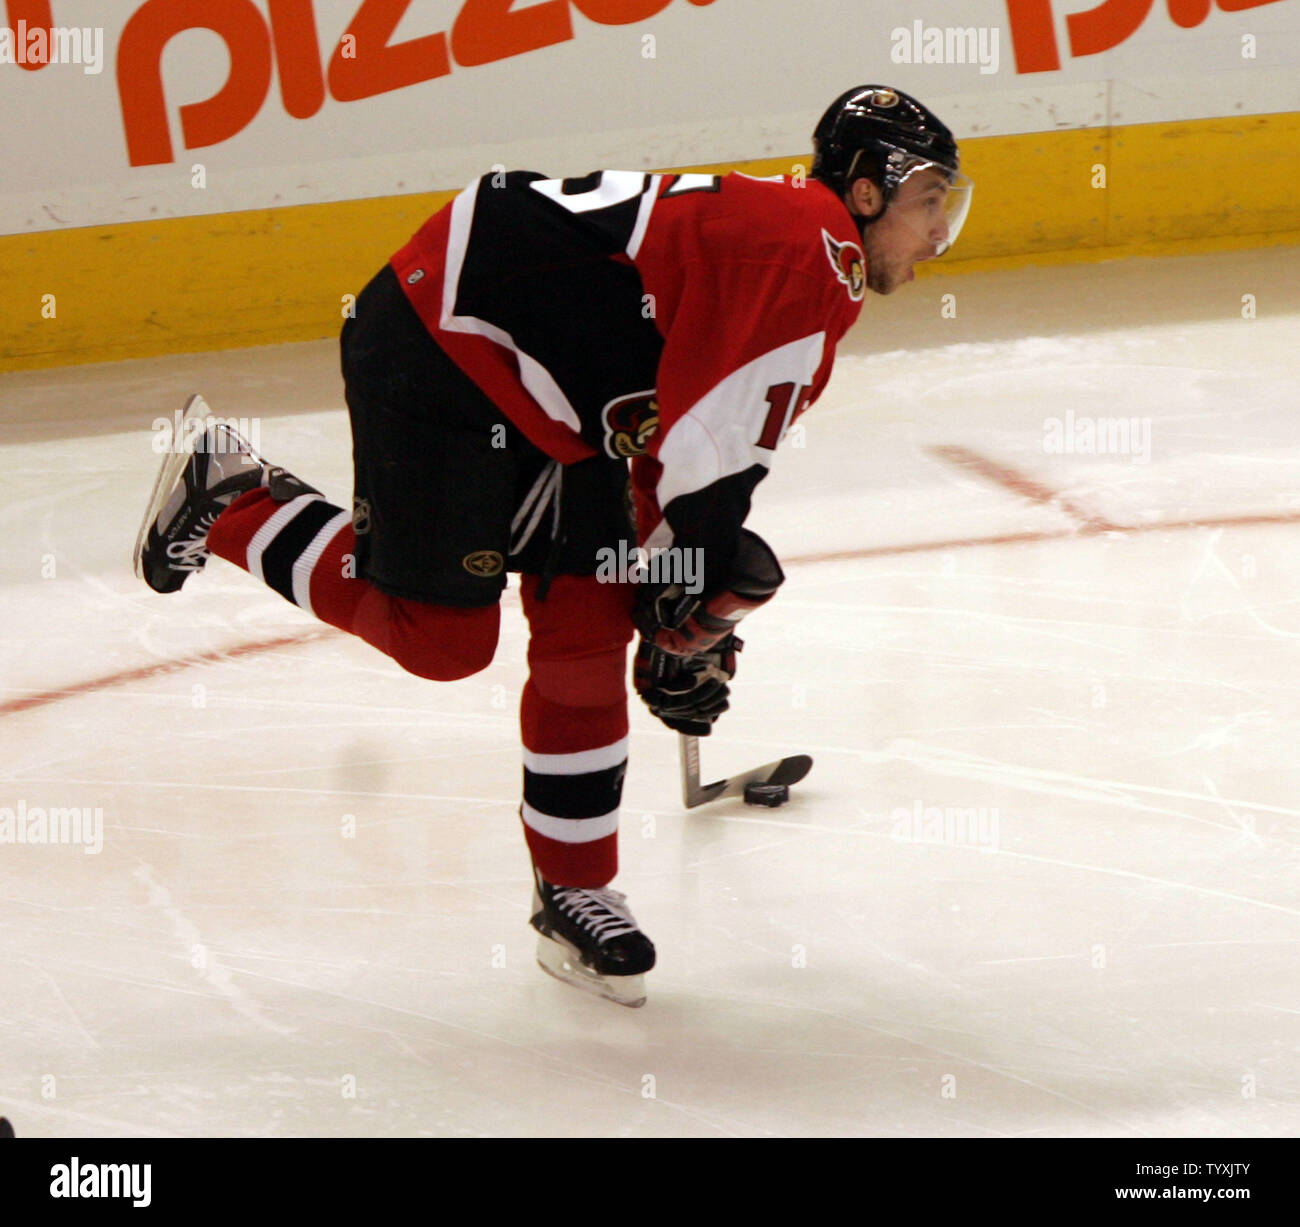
(746,351)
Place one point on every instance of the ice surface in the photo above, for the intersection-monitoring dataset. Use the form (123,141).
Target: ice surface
(309,912)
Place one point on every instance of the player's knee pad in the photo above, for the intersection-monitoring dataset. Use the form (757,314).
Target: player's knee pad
(593,679)
(577,652)
(436,642)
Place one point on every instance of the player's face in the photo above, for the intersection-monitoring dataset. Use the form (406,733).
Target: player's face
(913,228)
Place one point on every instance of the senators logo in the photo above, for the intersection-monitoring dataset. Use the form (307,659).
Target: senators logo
(630,422)
(850,265)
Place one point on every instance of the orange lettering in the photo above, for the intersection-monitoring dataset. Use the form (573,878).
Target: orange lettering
(1033,37)
(486,30)
(1189,13)
(36,15)
(621,12)
(297,56)
(1106,26)
(139,75)
(378,67)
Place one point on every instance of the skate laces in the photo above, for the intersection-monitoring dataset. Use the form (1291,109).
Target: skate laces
(190,552)
(603,913)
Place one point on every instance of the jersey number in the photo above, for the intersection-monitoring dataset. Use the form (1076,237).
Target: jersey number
(682,184)
(787,400)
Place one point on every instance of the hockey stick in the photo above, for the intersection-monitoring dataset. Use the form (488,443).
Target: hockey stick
(784,771)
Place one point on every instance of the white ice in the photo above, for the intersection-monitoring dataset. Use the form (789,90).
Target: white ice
(1112,950)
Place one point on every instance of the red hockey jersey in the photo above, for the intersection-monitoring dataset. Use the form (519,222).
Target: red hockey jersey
(682,320)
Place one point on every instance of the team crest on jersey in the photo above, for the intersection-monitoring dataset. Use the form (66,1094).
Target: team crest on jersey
(850,265)
(630,422)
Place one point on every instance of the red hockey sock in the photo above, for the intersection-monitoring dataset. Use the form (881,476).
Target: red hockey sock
(305,550)
(574,723)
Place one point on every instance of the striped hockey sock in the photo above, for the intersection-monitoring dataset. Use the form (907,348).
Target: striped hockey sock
(306,550)
(282,544)
(572,795)
(573,719)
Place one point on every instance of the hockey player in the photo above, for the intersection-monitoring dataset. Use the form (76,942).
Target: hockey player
(500,372)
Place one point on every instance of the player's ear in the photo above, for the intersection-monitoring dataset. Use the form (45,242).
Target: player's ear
(866,198)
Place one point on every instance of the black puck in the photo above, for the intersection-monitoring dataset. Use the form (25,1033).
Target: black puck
(770,795)
(6,1129)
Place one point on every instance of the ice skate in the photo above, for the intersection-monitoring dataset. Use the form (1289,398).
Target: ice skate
(590,939)
(193,487)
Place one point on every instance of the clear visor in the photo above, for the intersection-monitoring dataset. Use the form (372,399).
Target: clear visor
(933,201)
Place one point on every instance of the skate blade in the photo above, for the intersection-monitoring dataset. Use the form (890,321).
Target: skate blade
(169,472)
(558,961)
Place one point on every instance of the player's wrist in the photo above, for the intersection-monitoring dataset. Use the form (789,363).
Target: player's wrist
(688,625)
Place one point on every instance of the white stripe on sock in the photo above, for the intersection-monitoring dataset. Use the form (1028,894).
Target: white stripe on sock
(270,530)
(307,560)
(570,830)
(578,763)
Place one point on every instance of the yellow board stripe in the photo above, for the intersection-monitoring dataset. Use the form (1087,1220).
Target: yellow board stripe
(267,276)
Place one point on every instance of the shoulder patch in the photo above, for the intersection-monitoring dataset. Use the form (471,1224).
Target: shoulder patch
(848,264)
(630,422)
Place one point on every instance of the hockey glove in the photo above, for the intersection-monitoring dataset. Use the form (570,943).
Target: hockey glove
(687,693)
(687,653)
(683,624)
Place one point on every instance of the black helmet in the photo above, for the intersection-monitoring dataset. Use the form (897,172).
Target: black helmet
(880,133)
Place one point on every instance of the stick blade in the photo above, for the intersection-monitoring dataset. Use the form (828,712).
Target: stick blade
(790,770)
(784,771)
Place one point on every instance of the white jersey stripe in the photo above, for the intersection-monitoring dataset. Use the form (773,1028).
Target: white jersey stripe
(539,382)
(462,219)
(643,216)
(570,830)
(719,435)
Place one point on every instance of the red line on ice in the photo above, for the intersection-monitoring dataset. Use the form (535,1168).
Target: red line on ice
(999,474)
(1028,538)
(141,673)
(1015,481)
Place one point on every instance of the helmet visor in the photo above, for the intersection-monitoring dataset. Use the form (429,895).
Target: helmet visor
(933,200)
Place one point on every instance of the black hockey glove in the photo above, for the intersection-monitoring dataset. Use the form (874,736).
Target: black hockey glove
(687,653)
(686,625)
(688,693)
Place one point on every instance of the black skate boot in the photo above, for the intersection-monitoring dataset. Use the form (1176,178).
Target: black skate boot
(192,489)
(590,939)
